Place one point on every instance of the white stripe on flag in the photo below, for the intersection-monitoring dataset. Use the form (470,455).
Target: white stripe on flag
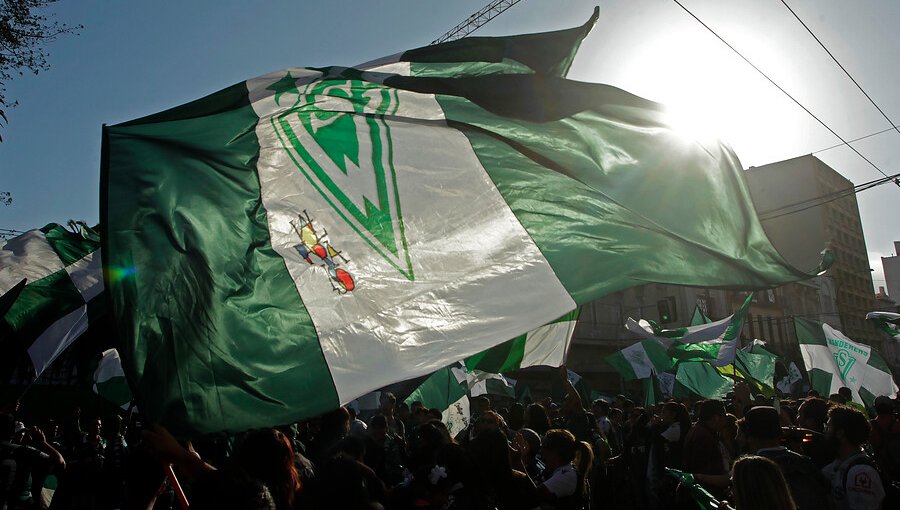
(55,339)
(87,276)
(389,321)
(547,345)
(27,256)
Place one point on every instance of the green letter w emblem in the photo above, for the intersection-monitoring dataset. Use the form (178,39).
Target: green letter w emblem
(336,134)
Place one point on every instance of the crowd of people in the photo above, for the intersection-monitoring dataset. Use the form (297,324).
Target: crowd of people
(741,452)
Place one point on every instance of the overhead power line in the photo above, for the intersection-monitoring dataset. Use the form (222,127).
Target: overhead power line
(786,93)
(477,20)
(826,198)
(855,140)
(893,125)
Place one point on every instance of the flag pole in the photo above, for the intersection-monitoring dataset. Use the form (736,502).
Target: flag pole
(179,492)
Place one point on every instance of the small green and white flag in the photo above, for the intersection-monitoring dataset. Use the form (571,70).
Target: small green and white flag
(109,380)
(297,240)
(832,360)
(544,346)
(445,391)
(63,289)
(641,360)
(887,322)
(715,342)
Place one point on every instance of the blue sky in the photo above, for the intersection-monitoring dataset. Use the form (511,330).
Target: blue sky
(135,58)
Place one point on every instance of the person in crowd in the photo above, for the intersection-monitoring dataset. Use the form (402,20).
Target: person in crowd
(267,455)
(82,483)
(357,426)
(516,419)
(537,419)
(115,463)
(600,409)
(18,462)
(760,433)
(384,452)
(757,484)
(885,438)
(395,425)
(568,463)
(855,483)
(572,414)
(346,482)
(847,397)
(529,444)
(453,482)
(508,488)
(703,451)
(333,426)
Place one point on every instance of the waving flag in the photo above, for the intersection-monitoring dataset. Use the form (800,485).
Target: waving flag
(832,360)
(63,289)
(544,346)
(109,379)
(641,360)
(302,238)
(445,390)
(887,322)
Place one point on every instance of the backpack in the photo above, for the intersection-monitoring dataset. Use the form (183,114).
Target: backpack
(891,488)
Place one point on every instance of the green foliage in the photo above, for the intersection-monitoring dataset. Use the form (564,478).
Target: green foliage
(24,32)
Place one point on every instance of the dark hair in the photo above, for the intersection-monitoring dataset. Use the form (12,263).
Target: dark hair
(815,409)
(681,416)
(267,455)
(762,422)
(757,482)
(378,421)
(580,453)
(490,452)
(854,423)
(7,426)
(710,409)
(536,418)
(230,488)
(602,405)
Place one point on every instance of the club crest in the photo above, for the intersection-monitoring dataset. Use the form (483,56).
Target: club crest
(316,249)
(844,361)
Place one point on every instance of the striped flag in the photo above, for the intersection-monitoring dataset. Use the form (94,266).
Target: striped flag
(445,390)
(63,289)
(297,240)
(544,346)
(832,360)
(888,322)
(641,360)
(109,379)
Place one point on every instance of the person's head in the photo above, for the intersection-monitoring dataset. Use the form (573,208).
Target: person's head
(489,420)
(559,448)
(230,488)
(619,401)
(712,414)
(837,398)
(516,416)
(812,414)
(536,418)
(94,426)
(757,483)
(848,428)
(600,408)
(267,455)
(335,423)
(353,447)
(490,452)
(760,428)
(884,406)
(481,404)
(377,428)
(403,411)
(112,426)
(617,416)
(846,394)
(388,401)
(813,394)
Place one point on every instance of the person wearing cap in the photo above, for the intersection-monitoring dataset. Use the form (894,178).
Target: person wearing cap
(17,461)
(760,433)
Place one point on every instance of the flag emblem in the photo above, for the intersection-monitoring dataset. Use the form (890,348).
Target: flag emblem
(316,249)
(844,361)
(336,135)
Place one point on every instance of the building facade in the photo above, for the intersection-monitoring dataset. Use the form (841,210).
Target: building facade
(891,266)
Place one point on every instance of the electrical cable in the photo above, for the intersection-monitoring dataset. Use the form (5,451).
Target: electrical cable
(842,68)
(824,199)
(854,140)
(792,98)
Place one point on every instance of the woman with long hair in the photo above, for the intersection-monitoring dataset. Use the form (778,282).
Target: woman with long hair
(267,455)
(757,484)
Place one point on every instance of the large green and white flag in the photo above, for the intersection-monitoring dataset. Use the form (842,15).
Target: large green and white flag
(445,390)
(544,346)
(109,379)
(641,360)
(832,360)
(302,238)
(888,322)
(63,289)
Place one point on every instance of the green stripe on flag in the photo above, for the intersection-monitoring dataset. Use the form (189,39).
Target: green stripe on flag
(42,303)
(204,305)
(70,247)
(702,379)
(509,355)
(809,332)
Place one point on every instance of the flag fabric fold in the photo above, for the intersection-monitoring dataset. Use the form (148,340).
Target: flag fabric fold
(63,289)
(544,346)
(888,322)
(832,360)
(109,379)
(443,390)
(292,242)
(641,360)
